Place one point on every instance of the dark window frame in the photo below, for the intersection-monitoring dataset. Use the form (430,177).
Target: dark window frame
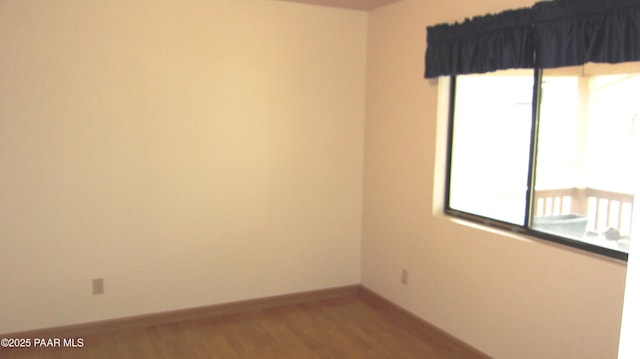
(526,228)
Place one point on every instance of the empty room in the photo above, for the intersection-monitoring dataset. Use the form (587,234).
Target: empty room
(318,178)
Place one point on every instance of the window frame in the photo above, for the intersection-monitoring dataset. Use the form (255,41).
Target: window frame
(526,228)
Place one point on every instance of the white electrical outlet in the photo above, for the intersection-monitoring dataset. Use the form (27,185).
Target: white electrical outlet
(98,286)
(404,277)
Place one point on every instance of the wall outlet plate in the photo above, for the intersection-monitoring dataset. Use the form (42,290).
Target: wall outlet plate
(404,277)
(98,286)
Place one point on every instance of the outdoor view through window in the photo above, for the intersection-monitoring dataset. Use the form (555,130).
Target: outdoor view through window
(586,159)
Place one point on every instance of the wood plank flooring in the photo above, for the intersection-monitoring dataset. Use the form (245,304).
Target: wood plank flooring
(358,326)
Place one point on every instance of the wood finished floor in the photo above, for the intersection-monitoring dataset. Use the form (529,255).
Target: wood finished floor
(351,327)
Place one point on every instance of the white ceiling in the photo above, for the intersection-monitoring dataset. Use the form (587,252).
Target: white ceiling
(348,4)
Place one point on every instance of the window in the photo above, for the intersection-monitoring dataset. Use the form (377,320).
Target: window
(544,119)
(551,153)
(490,152)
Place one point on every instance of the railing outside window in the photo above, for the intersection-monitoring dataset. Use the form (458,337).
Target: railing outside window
(604,210)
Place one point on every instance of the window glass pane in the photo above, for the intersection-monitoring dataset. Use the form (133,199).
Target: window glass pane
(490,149)
(587,153)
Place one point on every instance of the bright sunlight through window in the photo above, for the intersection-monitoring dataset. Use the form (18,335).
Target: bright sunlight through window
(575,143)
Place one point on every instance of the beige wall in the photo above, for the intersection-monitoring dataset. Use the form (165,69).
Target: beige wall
(507,295)
(188,152)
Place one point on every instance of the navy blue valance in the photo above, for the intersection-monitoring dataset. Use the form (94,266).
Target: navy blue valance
(549,34)
(570,32)
(481,44)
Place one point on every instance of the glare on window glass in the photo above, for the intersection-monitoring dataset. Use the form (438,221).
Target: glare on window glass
(491,140)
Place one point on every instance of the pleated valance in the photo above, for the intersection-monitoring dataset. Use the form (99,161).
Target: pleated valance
(549,34)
